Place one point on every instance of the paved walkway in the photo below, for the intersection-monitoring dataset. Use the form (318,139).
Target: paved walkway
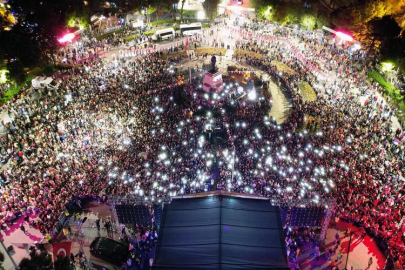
(280,106)
(360,252)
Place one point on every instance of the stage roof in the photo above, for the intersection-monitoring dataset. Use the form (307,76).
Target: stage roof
(220,232)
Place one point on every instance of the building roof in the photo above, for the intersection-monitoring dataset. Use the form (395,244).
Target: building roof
(221,232)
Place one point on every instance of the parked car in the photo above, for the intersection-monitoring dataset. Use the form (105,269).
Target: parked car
(109,250)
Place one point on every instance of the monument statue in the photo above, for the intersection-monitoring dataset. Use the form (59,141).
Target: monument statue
(213,62)
(213,79)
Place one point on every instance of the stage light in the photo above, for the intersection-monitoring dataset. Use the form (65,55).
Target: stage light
(344,37)
(67,38)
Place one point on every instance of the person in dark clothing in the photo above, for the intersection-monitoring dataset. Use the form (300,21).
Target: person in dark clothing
(23,228)
(72,258)
(98,224)
(107,225)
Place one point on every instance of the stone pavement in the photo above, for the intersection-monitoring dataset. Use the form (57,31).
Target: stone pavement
(360,251)
(280,104)
(94,210)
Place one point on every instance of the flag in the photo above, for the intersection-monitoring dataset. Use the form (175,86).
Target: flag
(186,45)
(61,248)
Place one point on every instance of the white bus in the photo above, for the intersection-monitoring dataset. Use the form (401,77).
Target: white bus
(190,29)
(163,34)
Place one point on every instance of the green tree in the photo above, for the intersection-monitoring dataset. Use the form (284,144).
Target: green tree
(264,8)
(293,13)
(322,20)
(308,22)
(16,72)
(41,261)
(211,9)
(181,10)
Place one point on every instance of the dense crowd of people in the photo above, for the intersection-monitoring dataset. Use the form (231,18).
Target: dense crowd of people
(129,125)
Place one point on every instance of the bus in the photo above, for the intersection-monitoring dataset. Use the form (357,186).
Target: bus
(190,29)
(163,34)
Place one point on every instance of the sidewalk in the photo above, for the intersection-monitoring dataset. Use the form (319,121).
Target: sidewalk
(360,251)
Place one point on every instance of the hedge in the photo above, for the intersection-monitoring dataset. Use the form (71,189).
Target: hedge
(243,53)
(109,34)
(210,51)
(307,92)
(180,54)
(146,33)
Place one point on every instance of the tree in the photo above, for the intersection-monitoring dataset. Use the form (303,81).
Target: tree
(181,10)
(211,9)
(308,22)
(6,18)
(16,72)
(41,261)
(17,45)
(264,8)
(380,31)
(63,263)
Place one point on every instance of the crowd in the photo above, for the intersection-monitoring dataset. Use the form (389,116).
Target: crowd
(348,148)
(128,126)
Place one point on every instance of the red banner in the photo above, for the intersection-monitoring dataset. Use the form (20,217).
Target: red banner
(61,248)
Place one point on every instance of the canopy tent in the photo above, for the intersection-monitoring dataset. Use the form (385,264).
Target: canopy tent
(221,233)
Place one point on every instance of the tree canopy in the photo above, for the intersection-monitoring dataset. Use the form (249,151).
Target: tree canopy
(211,8)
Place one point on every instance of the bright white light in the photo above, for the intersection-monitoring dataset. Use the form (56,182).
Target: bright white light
(201,15)
(252,95)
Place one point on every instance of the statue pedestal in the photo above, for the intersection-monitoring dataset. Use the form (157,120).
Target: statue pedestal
(213,81)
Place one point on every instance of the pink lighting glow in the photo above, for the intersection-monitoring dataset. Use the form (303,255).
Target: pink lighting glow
(344,37)
(67,38)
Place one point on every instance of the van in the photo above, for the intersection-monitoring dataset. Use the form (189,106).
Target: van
(42,82)
(163,34)
(109,250)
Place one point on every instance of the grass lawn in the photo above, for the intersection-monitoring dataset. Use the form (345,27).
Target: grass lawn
(307,92)
(282,67)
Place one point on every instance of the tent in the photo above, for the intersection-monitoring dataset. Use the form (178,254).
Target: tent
(221,232)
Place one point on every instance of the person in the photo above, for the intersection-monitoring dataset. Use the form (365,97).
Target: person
(78,220)
(48,237)
(66,233)
(107,226)
(337,237)
(72,259)
(347,232)
(23,228)
(317,253)
(370,262)
(327,254)
(98,224)
(339,256)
